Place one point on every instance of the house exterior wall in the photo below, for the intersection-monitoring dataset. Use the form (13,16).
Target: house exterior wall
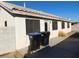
(42,25)
(22,40)
(13,37)
(42,28)
(66,30)
(54,33)
(7,34)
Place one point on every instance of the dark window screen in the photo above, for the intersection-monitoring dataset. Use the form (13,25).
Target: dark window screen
(46,26)
(32,26)
(63,25)
(5,23)
(54,25)
(68,26)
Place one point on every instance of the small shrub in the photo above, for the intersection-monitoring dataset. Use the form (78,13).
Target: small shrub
(62,33)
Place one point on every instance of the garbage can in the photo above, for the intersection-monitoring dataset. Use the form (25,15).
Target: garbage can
(34,40)
(45,38)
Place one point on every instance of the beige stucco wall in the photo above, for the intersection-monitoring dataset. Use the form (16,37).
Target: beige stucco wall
(22,40)
(54,33)
(7,34)
(12,37)
(66,30)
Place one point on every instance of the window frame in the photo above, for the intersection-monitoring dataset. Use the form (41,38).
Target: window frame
(68,24)
(54,25)
(63,24)
(5,23)
(32,26)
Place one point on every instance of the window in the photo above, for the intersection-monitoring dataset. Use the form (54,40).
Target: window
(68,26)
(5,23)
(32,26)
(63,25)
(46,28)
(54,25)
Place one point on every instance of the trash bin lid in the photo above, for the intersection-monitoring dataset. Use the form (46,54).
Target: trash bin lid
(35,33)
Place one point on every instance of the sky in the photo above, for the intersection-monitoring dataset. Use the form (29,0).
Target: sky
(65,9)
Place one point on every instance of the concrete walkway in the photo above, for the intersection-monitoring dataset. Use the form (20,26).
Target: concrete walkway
(68,48)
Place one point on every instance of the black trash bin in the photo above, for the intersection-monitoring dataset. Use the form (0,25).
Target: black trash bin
(45,38)
(34,40)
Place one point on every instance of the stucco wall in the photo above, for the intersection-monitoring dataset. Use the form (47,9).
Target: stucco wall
(54,33)
(22,40)
(66,30)
(7,34)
